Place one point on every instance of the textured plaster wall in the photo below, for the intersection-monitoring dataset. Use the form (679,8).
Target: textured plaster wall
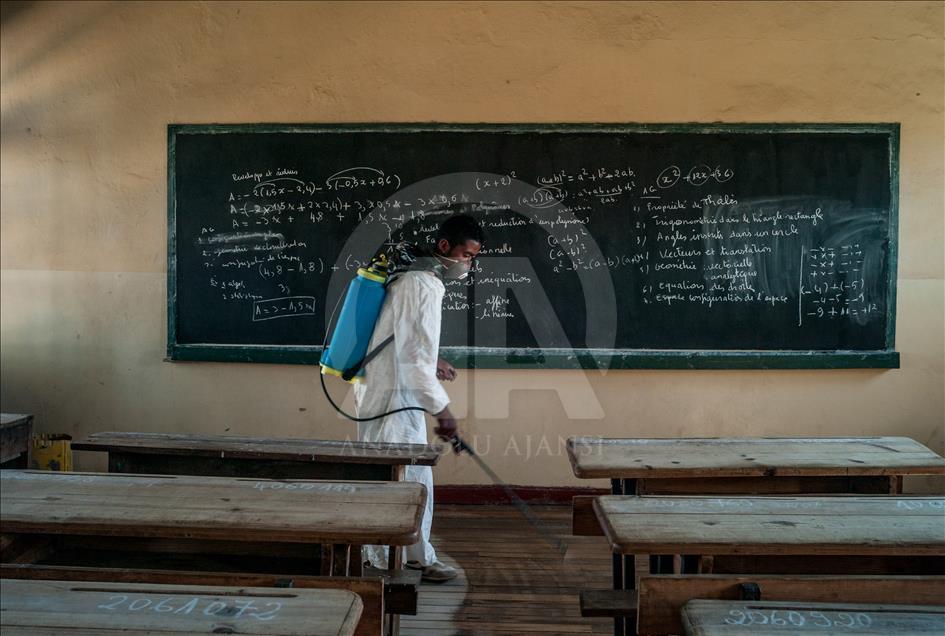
(88,89)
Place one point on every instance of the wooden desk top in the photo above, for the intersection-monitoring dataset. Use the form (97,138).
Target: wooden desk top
(301,450)
(881,525)
(69,607)
(212,508)
(766,618)
(9,420)
(594,457)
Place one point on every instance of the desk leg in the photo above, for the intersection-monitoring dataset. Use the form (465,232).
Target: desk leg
(341,560)
(397,473)
(356,563)
(629,487)
(393,564)
(895,485)
(394,554)
(616,488)
(327,559)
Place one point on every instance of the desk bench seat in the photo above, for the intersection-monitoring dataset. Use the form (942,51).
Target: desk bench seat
(701,459)
(270,458)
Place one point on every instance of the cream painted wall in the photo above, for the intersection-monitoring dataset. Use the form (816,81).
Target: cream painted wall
(88,89)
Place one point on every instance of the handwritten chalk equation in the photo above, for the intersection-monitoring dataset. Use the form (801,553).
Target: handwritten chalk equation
(285,307)
(361,176)
(234,609)
(544,197)
(697,176)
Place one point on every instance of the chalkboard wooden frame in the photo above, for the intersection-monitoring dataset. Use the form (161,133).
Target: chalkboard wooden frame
(492,358)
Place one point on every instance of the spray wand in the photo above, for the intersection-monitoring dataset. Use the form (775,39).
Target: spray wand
(460,445)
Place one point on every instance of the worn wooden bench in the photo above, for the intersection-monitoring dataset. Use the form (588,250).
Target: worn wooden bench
(214,509)
(746,466)
(729,466)
(271,458)
(71,607)
(783,535)
(831,526)
(767,618)
(15,433)
(207,523)
(370,589)
(663,596)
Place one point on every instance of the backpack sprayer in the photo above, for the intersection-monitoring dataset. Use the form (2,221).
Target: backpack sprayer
(346,356)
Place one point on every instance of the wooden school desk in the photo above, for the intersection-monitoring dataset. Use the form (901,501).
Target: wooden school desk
(199,513)
(70,607)
(369,589)
(232,456)
(15,433)
(864,465)
(709,466)
(761,618)
(839,525)
(813,534)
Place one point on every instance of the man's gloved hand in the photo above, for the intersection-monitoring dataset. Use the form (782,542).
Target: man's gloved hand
(445,370)
(445,425)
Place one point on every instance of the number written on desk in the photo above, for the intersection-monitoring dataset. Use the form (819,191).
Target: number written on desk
(911,504)
(795,618)
(237,608)
(282,485)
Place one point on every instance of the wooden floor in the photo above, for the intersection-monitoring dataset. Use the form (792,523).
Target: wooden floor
(511,581)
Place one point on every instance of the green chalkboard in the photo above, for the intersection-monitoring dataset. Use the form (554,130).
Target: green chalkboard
(608,246)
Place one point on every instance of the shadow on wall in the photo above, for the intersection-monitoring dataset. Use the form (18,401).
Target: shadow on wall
(53,70)
(10,9)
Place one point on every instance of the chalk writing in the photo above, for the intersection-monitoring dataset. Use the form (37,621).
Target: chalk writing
(304,486)
(837,621)
(795,618)
(235,609)
(677,231)
(285,307)
(914,504)
(698,503)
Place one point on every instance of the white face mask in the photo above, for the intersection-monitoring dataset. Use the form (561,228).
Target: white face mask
(456,270)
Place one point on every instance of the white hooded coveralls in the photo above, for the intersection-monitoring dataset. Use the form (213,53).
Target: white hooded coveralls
(404,374)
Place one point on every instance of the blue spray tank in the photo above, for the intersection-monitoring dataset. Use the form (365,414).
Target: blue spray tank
(345,354)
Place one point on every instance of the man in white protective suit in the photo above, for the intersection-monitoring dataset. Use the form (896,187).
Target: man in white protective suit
(408,371)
